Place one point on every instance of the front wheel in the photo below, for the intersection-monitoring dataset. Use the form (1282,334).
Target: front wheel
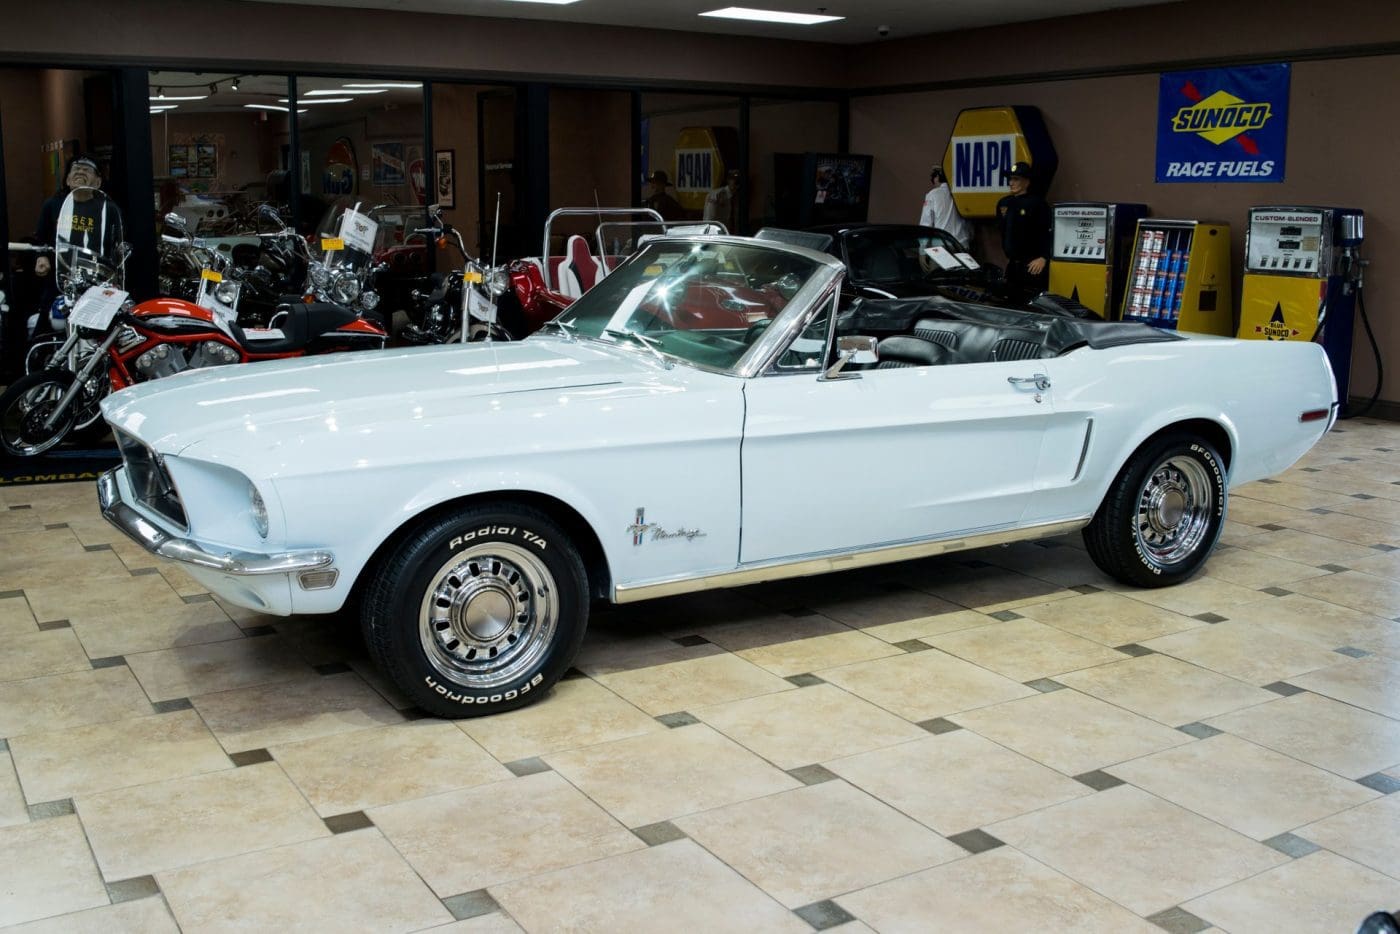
(27,405)
(1162,515)
(477,612)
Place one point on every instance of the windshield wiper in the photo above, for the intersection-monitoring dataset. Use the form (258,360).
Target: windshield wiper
(650,343)
(567,328)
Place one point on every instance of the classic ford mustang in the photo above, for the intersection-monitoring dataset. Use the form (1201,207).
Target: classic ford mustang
(471,501)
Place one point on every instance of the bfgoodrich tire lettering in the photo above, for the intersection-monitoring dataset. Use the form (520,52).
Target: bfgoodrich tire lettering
(1162,515)
(477,612)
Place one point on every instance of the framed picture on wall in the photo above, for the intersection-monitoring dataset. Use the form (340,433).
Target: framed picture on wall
(445,188)
(387,160)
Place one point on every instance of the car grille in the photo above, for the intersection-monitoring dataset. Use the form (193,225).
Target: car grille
(150,483)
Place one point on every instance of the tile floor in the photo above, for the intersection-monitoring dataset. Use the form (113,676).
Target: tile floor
(1000,740)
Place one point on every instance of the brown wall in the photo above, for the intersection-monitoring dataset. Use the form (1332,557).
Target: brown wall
(454,128)
(247,149)
(24,132)
(590,158)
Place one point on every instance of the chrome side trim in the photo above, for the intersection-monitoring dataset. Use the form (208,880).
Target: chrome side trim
(155,540)
(839,561)
(1084,451)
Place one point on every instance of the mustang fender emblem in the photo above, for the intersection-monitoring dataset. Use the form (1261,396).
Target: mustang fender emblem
(639,529)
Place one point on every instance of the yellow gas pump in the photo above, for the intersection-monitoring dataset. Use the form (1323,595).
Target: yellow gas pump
(1301,278)
(1180,275)
(1089,256)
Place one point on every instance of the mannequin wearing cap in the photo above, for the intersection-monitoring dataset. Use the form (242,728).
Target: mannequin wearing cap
(940,211)
(82,173)
(660,200)
(1024,218)
(722,203)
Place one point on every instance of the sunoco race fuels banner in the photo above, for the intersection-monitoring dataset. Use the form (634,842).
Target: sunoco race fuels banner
(1223,125)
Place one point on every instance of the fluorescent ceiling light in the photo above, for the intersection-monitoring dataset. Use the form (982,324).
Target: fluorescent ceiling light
(173,97)
(163,109)
(772,16)
(339,91)
(300,110)
(319,100)
(555,2)
(385,84)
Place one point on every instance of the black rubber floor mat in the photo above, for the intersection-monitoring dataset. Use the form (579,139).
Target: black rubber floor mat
(65,465)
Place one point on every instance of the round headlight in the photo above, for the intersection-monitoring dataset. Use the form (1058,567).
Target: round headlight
(369,300)
(497,281)
(226,293)
(259,510)
(320,275)
(345,288)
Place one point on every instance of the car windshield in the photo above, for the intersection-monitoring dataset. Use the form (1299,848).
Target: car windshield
(902,255)
(704,302)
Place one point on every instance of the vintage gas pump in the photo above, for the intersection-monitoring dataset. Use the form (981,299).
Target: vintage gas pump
(1180,276)
(1089,258)
(1302,278)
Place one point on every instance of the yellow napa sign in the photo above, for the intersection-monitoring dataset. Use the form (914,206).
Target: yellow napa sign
(986,143)
(698,167)
(1221,117)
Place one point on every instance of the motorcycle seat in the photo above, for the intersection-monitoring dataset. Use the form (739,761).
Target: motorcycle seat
(300,325)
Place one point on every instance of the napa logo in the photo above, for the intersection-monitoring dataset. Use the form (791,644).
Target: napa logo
(1221,117)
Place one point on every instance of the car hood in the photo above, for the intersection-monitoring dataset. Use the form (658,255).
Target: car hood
(355,391)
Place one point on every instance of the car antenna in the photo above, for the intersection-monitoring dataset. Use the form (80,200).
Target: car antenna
(496,230)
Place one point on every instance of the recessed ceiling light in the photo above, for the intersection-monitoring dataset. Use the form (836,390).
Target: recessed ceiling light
(337,92)
(386,84)
(555,2)
(178,97)
(300,110)
(318,100)
(772,16)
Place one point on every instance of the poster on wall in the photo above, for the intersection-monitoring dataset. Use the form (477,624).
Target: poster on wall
(388,164)
(445,188)
(180,158)
(417,181)
(1223,124)
(206,160)
(338,176)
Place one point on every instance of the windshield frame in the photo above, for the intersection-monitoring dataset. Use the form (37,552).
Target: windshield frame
(787,324)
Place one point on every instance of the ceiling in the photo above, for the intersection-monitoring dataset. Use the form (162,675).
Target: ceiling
(863,18)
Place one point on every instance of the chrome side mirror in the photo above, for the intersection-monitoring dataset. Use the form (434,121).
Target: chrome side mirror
(176,222)
(858,349)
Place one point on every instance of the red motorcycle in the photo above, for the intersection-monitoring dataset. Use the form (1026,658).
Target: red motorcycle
(113,343)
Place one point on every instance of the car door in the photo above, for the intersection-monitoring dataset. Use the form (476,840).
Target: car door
(889,455)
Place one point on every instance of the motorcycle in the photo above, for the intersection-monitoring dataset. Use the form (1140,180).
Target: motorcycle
(113,342)
(345,270)
(462,305)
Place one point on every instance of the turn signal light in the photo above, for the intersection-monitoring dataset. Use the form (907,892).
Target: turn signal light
(1314,415)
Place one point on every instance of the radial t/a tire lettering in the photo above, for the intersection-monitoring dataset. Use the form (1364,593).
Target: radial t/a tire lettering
(1162,515)
(477,612)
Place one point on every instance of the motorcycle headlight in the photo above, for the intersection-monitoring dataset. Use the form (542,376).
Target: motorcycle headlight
(345,288)
(369,300)
(226,293)
(258,509)
(320,275)
(497,281)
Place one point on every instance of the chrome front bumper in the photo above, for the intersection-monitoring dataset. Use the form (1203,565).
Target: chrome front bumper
(158,542)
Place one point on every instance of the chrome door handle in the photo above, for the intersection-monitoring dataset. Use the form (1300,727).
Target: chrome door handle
(1040,381)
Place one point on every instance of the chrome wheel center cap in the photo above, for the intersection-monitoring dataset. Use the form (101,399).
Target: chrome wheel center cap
(1171,507)
(482,614)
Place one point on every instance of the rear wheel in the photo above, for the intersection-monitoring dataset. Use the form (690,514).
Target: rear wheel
(26,405)
(1163,514)
(477,612)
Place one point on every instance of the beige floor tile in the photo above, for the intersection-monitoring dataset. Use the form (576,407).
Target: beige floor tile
(814,843)
(817,723)
(495,923)
(923,685)
(689,684)
(1372,683)
(15,618)
(577,712)
(1256,512)
(90,567)
(193,670)
(143,916)
(319,640)
(12,805)
(994,891)
(1289,494)
(183,584)
(659,776)
(371,768)
(1343,739)
(991,589)
(641,893)
(1385,564)
(605,653)
(1166,689)
(1237,533)
(46,869)
(359,882)
(1306,548)
(957,781)
(804,655)
(37,654)
(923,626)
(75,699)
(1379,510)
(1364,834)
(889,607)
(1348,528)
(1254,570)
(1318,622)
(1063,564)
(1109,618)
(86,759)
(1248,788)
(374,676)
(1070,732)
(1200,594)
(765,630)
(63,600)
(1174,855)
(135,628)
(24,521)
(1249,652)
(166,825)
(492,834)
(289,711)
(23,551)
(1378,596)
(1024,649)
(1321,893)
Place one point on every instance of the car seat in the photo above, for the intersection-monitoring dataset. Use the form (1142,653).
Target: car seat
(579,270)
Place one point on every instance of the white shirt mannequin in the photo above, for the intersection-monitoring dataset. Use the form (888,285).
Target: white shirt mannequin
(940,211)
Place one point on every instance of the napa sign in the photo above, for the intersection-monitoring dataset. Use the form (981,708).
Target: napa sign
(986,143)
(1223,125)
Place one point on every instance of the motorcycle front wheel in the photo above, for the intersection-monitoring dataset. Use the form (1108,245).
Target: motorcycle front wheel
(24,408)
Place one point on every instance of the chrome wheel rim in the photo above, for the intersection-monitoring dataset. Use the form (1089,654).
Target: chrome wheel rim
(1174,511)
(488,615)
(23,422)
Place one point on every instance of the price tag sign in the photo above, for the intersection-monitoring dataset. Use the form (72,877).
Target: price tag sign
(943,257)
(331,244)
(97,307)
(209,275)
(471,277)
(358,231)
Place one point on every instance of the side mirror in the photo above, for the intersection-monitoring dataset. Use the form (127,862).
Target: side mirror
(857,349)
(266,212)
(434,210)
(176,222)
